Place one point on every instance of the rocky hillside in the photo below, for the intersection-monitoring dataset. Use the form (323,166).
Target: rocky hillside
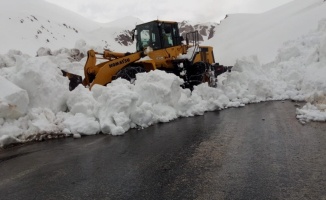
(206,32)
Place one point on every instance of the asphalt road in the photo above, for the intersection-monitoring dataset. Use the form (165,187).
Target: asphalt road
(256,152)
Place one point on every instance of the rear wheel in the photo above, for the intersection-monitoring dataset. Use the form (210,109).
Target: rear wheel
(129,73)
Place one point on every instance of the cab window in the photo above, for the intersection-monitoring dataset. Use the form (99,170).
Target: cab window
(167,35)
(148,35)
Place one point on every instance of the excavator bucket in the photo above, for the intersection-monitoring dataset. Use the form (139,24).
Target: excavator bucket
(74,79)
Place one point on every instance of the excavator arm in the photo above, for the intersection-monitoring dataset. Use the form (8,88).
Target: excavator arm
(103,72)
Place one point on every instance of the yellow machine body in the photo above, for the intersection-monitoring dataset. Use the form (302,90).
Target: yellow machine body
(159,46)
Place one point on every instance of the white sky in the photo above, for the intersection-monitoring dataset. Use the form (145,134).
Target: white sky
(175,10)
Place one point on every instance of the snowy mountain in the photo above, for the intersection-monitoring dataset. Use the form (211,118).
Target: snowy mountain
(206,30)
(31,24)
(120,31)
(263,34)
(35,23)
(277,55)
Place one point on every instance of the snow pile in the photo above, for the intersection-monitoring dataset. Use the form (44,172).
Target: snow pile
(298,73)
(314,110)
(155,97)
(309,67)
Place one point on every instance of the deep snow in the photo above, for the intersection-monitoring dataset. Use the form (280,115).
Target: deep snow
(263,34)
(35,101)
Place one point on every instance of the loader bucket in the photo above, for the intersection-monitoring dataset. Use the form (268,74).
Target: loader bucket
(74,79)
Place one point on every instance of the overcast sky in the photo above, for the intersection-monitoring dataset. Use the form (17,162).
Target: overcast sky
(175,10)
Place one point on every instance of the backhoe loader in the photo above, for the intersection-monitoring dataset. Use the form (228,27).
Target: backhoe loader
(158,46)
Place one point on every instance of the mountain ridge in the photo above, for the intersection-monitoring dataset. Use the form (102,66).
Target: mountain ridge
(35,23)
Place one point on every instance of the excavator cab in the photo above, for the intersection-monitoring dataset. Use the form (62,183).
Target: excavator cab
(157,35)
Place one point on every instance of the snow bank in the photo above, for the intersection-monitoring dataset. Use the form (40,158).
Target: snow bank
(263,34)
(298,73)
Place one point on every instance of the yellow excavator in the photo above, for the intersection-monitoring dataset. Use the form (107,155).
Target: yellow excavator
(158,46)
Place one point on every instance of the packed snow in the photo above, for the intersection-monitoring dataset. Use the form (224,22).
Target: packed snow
(35,101)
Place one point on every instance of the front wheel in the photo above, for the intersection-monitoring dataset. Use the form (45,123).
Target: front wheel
(129,73)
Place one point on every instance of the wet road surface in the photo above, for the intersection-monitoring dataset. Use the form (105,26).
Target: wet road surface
(256,152)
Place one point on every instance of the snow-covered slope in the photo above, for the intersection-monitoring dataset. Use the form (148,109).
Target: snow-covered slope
(120,31)
(30,24)
(262,34)
(124,23)
(35,102)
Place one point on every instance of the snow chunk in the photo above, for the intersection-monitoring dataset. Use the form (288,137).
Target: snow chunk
(82,124)
(11,58)
(309,113)
(116,102)
(315,109)
(159,93)
(6,140)
(76,136)
(44,83)
(43,52)
(158,87)
(81,100)
(42,120)
(13,100)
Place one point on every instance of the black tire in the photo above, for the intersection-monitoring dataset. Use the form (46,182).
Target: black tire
(196,73)
(129,72)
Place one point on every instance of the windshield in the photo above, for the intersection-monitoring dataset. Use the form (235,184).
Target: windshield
(157,35)
(148,35)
